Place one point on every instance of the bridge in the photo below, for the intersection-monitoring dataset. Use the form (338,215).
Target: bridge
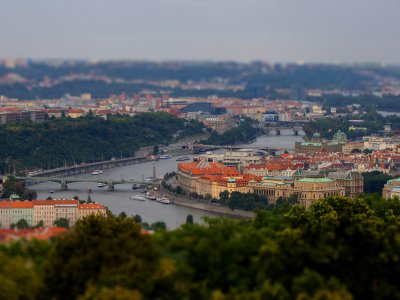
(65,181)
(88,167)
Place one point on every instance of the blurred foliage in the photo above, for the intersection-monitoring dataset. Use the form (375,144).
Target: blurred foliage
(339,248)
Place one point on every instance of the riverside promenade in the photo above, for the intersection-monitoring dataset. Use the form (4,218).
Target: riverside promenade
(206,206)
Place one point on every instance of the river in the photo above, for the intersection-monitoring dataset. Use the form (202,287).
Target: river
(150,211)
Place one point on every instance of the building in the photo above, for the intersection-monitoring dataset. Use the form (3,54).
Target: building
(21,210)
(353,182)
(21,116)
(350,146)
(391,189)
(188,173)
(313,147)
(88,209)
(307,190)
(241,157)
(214,185)
(46,211)
(220,123)
(5,214)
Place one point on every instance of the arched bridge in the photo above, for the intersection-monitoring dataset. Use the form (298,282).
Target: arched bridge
(64,182)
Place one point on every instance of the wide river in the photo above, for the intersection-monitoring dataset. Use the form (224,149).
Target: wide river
(150,211)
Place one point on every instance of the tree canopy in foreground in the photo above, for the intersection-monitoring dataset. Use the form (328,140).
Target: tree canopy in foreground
(338,249)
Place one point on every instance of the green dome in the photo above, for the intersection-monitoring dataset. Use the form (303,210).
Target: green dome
(14,197)
(316,135)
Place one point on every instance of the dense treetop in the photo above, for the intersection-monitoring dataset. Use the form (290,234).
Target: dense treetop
(340,248)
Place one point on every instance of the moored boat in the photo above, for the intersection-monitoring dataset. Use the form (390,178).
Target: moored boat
(101,184)
(96,172)
(163,200)
(184,158)
(150,196)
(137,197)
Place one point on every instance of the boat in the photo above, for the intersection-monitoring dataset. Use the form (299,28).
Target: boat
(149,179)
(51,191)
(101,184)
(163,200)
(137,186)
(96,172)
(137,197)
(150,196)
(165,156)
(183,158)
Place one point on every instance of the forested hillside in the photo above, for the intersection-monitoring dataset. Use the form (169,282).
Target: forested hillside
(57,141)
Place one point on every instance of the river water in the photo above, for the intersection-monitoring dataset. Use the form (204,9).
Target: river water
(150,211)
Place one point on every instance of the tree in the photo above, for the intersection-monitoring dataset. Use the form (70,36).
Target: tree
(22,224)
(61,222)
(137,219)
(108,252)
(75,197)
(189,219)
(155,150)
(122,215)
(374,181)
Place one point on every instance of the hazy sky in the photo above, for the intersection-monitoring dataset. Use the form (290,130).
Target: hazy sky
(244,30)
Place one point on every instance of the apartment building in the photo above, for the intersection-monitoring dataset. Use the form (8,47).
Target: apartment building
(46,211)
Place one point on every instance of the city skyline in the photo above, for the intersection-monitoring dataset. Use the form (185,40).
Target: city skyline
(275,31)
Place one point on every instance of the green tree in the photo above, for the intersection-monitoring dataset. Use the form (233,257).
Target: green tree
(189,219)
(155,150)
(61,222)
(22,224)
(122,215)
(137,219)
(108,252)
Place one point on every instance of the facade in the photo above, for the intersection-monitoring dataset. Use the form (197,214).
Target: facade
(46,211)
(234,158)
(214,185)
(88,209)
(21,116)
(188,173)
(5,214)
(220,123)
(307,190)
(391,189)
(313,147)
(349,147)
(22,210)
(353,182)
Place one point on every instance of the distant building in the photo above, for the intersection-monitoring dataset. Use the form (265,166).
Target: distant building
(220,123)
(21,116)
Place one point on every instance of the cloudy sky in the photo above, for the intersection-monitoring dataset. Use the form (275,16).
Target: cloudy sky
(244,30)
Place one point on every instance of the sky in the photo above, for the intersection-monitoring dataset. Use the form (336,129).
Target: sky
(328,31)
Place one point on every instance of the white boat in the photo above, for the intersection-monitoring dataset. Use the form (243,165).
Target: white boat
(51,191)
(96,172)
(101,184)
(137,197)
(183,158)
(165,156)
(150,196)
(149,179)
(163,200)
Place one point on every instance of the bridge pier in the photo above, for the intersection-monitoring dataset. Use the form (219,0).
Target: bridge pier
(110,186)
(296,132)
(64,186)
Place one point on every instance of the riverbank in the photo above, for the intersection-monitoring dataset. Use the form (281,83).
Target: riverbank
(207,206)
